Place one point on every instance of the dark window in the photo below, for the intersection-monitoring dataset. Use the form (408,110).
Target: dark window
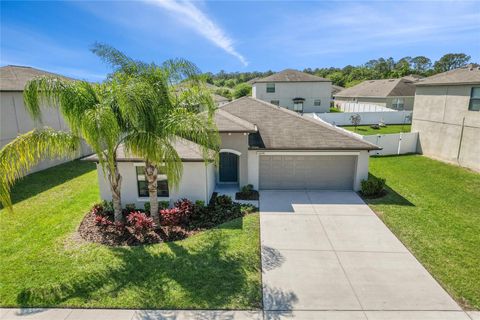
(474,100)
(317,102)
(298,106)
(142,185)
(275,102)
(271,87)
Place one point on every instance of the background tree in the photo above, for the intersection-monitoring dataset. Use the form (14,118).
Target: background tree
(451,61)
(242,90)
(421,64)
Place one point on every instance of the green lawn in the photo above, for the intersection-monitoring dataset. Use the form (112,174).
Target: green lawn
(434,208)
(42,262)
(367,131)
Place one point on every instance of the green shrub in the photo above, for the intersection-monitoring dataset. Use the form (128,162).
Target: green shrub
(373,186)
(200,203)
(247,188)
(163,204)
(146,206)
(107,205)
(130,207)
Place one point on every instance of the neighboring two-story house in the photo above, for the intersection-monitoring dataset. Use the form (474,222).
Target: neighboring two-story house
(294,90)
(447,116)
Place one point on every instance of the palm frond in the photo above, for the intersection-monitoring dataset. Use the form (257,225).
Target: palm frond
(27,150)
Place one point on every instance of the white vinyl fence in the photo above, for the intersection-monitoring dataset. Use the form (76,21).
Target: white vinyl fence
(361,107)
(343,118)
(392,143)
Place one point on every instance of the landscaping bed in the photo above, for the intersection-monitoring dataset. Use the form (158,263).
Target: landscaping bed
(247,193)
(433,208)
(182,221)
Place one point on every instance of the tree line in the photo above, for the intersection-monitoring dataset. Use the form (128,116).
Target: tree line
(382,68)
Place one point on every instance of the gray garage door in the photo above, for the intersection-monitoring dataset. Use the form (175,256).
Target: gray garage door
(307,172)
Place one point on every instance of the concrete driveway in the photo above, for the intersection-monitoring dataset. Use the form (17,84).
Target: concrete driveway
(326,255)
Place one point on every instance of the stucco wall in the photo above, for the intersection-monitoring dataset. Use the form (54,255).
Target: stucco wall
(15,120)
(286,91)
(196,184)
(438,116)
(239,143)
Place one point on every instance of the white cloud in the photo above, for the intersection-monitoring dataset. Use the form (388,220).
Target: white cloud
(192,16)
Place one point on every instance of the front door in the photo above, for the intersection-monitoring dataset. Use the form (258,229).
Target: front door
(228,167)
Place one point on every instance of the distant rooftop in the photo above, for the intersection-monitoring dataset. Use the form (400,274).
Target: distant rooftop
(291,75)
(380,88)
(465,75)
(14,78)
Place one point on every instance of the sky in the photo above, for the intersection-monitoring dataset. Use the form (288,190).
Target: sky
(233,35)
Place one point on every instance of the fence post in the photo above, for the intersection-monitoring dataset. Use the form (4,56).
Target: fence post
(399,142)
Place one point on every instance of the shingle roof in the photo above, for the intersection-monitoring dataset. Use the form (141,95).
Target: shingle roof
(380,88)
(227,122)
(336,89)
(283,129)
(465,75)
(187,150)
(14,78)
(291,75)
(218,98)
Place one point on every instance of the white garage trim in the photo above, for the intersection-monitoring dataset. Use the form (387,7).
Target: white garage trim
(309,153)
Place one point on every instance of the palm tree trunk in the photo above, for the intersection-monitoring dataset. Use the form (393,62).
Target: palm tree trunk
(115,184)
(151,174)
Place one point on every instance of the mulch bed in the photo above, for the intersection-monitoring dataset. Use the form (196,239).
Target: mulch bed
(112,236)
(252,195)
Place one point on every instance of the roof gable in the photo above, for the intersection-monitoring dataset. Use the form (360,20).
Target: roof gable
(227,122)
(291,75)
(283,129)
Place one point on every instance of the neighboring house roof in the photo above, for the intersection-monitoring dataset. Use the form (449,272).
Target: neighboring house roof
(336,89)
(219,99)
(283,129)
(14,78)
(380,89)
(466,75)
(187,150)
(227,122)
(291,75)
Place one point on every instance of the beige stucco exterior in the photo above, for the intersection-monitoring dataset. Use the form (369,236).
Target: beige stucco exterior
(15,120)
(447,129)
(286,91)
(379,101)
(197,183)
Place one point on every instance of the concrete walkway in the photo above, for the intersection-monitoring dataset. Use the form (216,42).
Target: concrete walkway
(326,255)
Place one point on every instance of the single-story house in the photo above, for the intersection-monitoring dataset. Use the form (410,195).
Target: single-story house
(262,144)
(395,94)
(447,116)
(14,117)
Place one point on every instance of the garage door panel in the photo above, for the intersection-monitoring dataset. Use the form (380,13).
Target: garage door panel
(307,172)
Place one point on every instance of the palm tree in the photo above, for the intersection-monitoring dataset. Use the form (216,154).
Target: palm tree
(162,104)
(91,112)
